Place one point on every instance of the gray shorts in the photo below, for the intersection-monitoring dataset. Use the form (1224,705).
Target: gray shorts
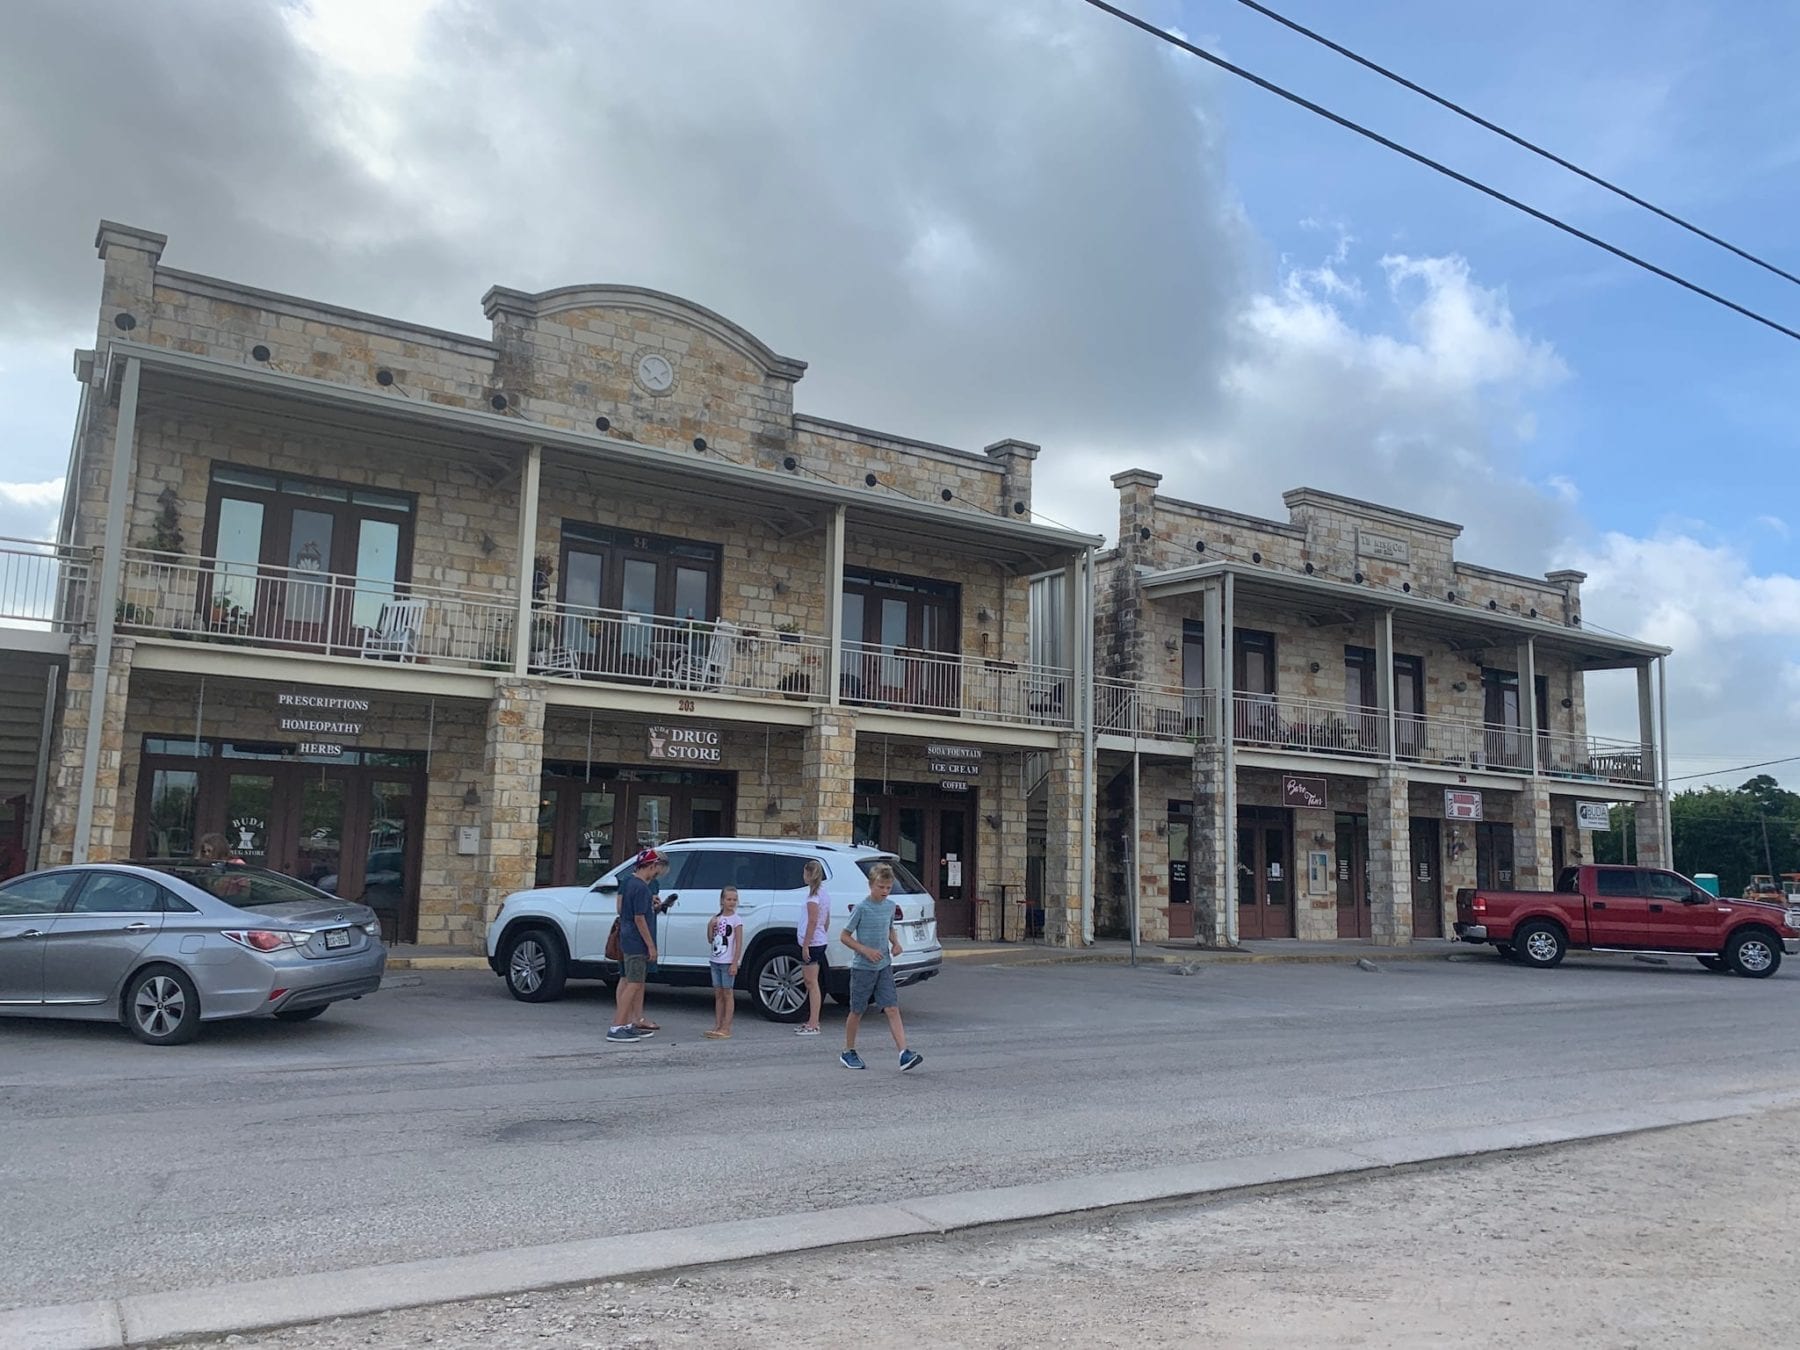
(634,969)
(876,985)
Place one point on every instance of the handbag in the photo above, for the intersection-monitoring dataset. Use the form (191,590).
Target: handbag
(614,952)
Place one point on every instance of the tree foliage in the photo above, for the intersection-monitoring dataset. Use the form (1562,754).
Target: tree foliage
(1722,830)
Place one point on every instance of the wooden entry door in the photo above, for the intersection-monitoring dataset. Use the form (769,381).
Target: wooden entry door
(1427,882)
(1265,873)
(934,836)
(1354,911)
(1494,856)
(1181,895)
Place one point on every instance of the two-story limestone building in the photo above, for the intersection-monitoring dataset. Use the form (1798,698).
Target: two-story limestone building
(1321,727)
(425,617)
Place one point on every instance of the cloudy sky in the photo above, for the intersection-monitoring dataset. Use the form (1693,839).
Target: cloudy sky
(987,218)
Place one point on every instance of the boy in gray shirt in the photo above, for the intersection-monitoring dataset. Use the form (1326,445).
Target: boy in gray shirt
(873,944)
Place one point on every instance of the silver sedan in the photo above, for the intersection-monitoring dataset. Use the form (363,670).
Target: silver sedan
(163,947)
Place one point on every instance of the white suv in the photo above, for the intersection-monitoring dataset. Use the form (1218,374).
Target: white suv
(545,937)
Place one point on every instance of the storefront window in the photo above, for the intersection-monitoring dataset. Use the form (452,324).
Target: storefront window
(594,844)
(249,804)
(173,797)
(320,845)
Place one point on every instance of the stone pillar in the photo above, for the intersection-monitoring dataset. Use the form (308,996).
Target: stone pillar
(1064,830)
(1211,890)
(1534,864)
(1390,860)
(512,769)
(129,256)
(1653,848)
(67,754)
(828,775)
(1014,459)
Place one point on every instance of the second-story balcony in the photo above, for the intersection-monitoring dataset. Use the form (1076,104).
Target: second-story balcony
(216,600)
(42,585)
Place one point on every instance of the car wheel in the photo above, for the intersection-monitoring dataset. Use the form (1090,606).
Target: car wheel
(1754,954)
(1540,945)
(300,1014)
(536,969)
(1716,964)
(1504,950)
(161,1007)
(777,986)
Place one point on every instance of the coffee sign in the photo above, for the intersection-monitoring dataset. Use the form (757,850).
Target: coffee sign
(690,745)
(1308,793)
(954,765)
(316,715)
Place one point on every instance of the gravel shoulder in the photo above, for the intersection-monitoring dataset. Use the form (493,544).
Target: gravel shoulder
(1674,1238)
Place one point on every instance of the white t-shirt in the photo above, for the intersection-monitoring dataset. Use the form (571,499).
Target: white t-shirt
(722,929)
(820,934)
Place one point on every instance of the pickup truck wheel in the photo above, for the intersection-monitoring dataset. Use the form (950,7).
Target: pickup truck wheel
(536,968)
(776,985)
(1540,945)
(1754,954)
(1716,964)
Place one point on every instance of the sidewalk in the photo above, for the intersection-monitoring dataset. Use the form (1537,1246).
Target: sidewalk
(418,957)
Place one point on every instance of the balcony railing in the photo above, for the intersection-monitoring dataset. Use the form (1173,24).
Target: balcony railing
(1269,722)
(255,605)
(1597,759)
(954,685)
(1154,711)
(42,585)
(581,642)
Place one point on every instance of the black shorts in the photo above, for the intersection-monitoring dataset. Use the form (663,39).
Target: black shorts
(813,956)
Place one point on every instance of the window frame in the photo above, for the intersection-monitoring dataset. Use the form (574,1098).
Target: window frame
(615,547)
(279,505)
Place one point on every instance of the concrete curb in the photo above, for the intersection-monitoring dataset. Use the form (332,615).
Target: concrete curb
(152,1319)
(1017,956)
(437,963)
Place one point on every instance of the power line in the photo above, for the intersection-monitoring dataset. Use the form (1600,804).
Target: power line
(1715,773)
(1517,139)
(1439,167)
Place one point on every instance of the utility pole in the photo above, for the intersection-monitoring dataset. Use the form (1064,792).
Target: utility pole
(1768,858)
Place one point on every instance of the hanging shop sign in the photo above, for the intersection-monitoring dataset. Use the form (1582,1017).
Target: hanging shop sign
(954,765)
(314,716)
(1303,792)
(1593,816)
(689,745)
(1461,804)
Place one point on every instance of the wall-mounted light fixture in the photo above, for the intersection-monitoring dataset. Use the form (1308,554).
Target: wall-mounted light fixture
(991,821)
(487,543)
(1162,829)
(1170,644)
(772,807)
(1568,703)
(781,587)
(1314,667)
(1459,686)
(472,797)
(982,614)
(1319,837)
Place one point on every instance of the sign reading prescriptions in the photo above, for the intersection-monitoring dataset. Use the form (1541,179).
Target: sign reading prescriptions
(314,716)
(1593,816)
(1461,804)
(690,745)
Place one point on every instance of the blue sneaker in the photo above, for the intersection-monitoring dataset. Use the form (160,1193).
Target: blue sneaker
(910,1059)
(851,1060)
(623,1036)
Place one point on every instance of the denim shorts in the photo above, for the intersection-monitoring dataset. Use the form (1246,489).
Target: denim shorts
(721,975)
(876,985)
(634,969)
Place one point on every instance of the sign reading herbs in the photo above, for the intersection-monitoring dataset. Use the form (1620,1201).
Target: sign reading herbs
(339,716)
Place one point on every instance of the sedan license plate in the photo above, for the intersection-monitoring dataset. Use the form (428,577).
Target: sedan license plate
(337,937)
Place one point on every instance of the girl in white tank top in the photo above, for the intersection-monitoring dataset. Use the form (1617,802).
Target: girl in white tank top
(813,932)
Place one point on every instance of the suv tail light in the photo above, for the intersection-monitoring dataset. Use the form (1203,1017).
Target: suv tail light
(265,940)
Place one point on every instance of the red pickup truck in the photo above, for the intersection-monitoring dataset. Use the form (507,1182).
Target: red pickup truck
(1630,909)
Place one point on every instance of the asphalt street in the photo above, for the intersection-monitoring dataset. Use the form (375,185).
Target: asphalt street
(441,1117)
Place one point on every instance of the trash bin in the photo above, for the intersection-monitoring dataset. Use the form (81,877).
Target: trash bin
(1707,881)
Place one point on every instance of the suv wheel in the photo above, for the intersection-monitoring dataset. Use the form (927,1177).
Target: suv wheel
(161,1007)
(776,984)
(1541,945)
(1754,953)
(535,966)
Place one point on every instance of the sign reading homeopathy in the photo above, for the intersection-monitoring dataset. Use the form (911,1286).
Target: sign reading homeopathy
(339,716)
(690,745)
